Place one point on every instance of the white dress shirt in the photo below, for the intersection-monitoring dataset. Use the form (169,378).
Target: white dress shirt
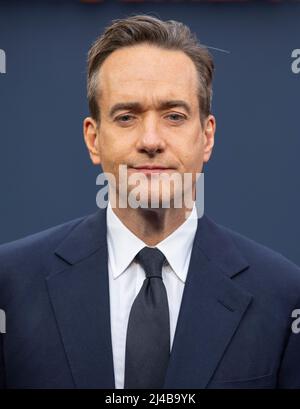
(126,277)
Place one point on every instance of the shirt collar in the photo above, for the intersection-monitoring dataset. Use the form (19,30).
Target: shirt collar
(123,245)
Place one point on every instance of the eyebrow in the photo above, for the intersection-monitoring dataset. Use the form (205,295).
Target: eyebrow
(137,107)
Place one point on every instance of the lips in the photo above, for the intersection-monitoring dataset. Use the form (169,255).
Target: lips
(144,166)
(149,169)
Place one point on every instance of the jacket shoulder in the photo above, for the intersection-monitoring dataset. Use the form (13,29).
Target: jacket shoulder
(35,244)
(259,252)
(268,267)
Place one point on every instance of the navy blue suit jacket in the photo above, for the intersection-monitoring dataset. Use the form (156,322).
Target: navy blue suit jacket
(233,330)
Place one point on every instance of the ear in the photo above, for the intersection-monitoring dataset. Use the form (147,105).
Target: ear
(209,137)
(91,138)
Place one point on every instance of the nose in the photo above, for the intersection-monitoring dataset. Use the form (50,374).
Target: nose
(150,139)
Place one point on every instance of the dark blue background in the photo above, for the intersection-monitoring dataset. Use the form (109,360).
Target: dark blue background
(252,181)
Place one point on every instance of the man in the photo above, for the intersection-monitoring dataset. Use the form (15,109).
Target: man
(148,296)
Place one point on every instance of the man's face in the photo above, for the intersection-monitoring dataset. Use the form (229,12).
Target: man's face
(149,114)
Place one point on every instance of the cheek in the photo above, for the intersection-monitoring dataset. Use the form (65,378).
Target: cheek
(113,153)
(197,151)
(190,154)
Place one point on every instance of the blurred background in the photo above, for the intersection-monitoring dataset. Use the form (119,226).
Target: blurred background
(252,180)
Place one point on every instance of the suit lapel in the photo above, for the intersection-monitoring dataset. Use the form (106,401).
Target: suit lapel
(212,308)
(79,293)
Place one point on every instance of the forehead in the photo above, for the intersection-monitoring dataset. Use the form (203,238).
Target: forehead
(146,72)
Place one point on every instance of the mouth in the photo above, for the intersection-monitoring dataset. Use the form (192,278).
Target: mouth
(150,169)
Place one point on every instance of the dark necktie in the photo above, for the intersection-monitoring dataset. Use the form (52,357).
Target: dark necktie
(148,331)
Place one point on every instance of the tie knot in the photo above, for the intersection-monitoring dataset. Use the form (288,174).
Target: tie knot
(151,259)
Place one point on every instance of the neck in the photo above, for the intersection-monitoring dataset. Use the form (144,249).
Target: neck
(152,225)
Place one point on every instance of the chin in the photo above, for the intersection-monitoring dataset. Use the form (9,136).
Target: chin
(156,200)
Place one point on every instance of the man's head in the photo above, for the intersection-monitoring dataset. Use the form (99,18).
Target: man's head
(149,92)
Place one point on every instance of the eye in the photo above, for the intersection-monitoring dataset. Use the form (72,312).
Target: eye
(176,117)
(124,119)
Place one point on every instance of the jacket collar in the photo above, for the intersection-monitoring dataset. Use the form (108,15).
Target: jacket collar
(212,306)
